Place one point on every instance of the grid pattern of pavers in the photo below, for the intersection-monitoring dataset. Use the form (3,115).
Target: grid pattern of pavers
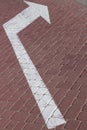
(59,52)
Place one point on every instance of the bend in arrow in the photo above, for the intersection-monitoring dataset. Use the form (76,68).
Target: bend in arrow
(27,16)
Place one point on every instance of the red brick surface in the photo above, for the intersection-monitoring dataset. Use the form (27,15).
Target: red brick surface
(59,52)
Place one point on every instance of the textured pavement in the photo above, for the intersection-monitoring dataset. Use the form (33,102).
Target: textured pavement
(59,52)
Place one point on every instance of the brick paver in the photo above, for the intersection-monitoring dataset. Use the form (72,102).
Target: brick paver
(59,52)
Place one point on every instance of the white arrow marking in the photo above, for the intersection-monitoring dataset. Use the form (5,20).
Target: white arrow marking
(50,112)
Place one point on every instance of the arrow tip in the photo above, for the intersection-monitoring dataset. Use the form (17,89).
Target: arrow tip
(27,2)
(41,9)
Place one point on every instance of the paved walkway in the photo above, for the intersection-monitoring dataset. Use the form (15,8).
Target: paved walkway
(59,52)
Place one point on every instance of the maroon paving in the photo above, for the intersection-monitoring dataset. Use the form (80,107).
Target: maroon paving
(59,52)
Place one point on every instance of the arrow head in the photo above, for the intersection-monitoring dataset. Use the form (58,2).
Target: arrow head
(42,10)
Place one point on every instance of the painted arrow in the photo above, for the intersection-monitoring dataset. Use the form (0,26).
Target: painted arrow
(49,110)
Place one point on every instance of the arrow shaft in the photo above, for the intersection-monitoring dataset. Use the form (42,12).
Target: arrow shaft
(51,114)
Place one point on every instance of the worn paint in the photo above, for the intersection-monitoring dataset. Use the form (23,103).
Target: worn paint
(50,112)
